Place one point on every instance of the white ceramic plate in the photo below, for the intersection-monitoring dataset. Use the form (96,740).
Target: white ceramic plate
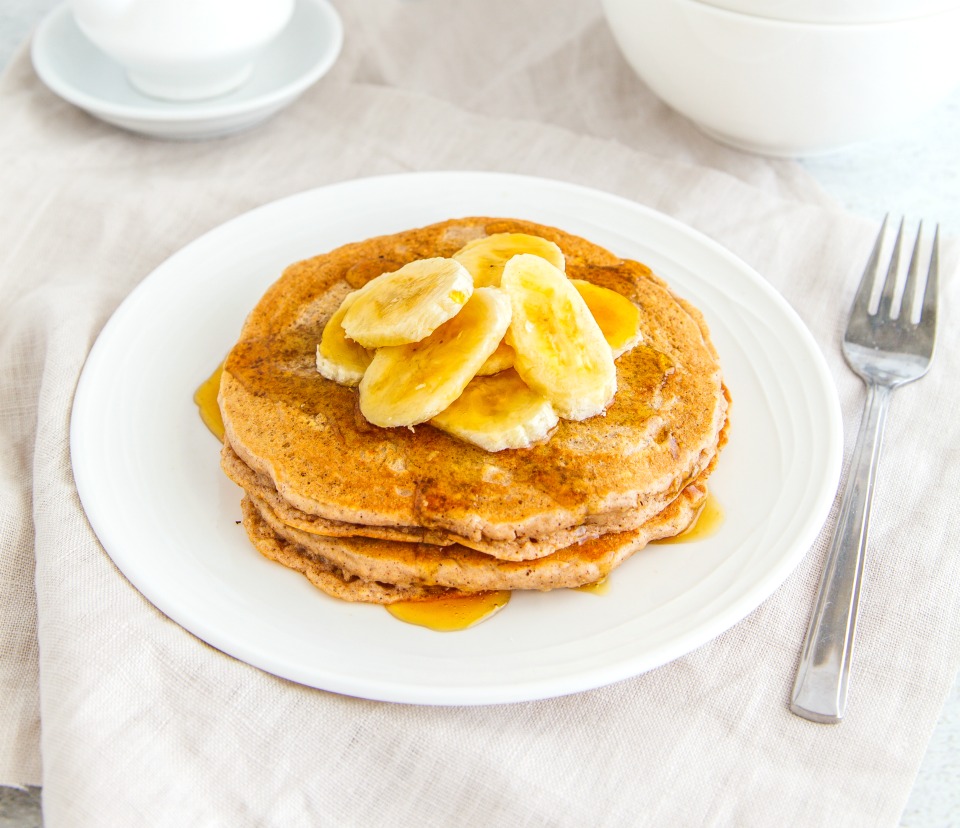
(148,473)
(73,68)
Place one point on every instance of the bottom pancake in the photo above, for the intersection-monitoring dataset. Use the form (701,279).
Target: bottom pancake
(380,571)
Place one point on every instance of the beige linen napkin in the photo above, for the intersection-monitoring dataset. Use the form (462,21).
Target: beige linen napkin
(143,724)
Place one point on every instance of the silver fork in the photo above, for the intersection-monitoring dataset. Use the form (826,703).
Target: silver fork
(886,351)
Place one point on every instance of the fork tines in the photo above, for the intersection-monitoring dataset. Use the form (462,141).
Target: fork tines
(886,303)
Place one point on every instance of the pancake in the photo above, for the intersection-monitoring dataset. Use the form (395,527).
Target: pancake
(382,571)
(299,443)
(260,488)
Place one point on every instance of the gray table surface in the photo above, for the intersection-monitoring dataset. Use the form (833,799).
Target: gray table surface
(916,172)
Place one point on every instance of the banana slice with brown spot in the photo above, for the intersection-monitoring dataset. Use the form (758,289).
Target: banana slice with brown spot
(409,384)
(486,257)
(408,304)
(617,316)
(339,358)
(560,350)
(498,412)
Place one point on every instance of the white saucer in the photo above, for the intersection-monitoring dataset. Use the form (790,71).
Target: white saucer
(78,72)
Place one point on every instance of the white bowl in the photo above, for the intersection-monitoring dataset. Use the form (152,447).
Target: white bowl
(183,50)
(835,11)
(785,88)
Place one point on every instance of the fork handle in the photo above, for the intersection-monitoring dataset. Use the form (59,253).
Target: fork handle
(820,688)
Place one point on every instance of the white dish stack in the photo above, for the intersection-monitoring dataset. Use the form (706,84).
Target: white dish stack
(793,77)
(185,69)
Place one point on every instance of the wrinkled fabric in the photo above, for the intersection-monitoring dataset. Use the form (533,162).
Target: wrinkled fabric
(127,719)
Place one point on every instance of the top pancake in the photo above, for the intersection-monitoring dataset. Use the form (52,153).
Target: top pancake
(306,434)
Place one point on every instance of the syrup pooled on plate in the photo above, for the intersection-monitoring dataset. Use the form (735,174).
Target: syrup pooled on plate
(206,400)
(601,587)
(450,614)
(706,523)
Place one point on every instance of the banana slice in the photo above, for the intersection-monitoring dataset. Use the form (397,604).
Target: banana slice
(409,384)
(498,412)
(617,316)
(338,358)
(560,350)
(485,257)
(499,360)
(408,304)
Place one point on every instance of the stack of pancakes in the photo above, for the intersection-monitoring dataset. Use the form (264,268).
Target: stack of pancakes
(386,514)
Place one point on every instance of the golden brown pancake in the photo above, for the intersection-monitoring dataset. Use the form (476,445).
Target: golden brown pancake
(260,488)
(324,470)
(383,571)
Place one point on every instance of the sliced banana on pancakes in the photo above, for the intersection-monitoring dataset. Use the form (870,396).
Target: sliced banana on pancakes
(339,358)
(408,304)
(617,316)
(498,412)
(409,384)
(499,360)
(492,345)
(560,350)
(486,257)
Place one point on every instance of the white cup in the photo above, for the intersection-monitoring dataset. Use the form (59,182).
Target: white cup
(183,50)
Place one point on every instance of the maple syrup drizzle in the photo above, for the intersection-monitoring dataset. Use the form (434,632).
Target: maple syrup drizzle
(706,523)
(206,399)
(601,587)
(450,614)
